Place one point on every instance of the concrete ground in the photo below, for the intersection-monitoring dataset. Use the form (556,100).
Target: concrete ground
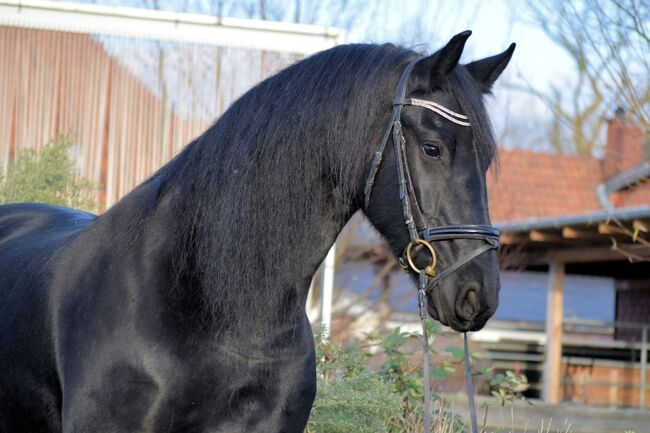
(522,417)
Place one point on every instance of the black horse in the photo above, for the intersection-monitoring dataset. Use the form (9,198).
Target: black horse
(182,308)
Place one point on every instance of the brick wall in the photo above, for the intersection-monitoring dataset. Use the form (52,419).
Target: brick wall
(602,385)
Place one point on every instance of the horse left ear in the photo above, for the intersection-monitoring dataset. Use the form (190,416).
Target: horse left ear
(437,66)
(486,71)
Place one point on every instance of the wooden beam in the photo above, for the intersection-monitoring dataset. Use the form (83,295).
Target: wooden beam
(554,313)
(606,229)
(574,233)
(640,227)
(511,238)
(583,255)
(540,236)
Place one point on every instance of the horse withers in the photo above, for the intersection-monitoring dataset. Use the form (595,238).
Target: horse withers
(182,308)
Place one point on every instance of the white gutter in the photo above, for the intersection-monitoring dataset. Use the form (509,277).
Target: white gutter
(168,26)
(620,181)
(327,290)
(602,195)
(569,220)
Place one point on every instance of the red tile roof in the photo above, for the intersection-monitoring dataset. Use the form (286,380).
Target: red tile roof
(530,184)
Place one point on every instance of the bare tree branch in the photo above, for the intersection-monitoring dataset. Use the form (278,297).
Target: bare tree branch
(610,47)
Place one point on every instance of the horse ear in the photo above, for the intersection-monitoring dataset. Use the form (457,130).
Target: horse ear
(486,71)
(442,62)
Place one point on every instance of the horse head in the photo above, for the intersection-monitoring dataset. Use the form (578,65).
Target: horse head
(428,197)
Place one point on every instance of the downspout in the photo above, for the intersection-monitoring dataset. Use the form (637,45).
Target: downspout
(620,181)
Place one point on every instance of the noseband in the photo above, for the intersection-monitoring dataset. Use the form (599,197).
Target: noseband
(420,235)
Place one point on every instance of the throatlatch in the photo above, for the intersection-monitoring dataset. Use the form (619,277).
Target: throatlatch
(428,277)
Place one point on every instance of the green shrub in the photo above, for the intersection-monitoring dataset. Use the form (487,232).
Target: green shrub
(405,370)
(349,396)
(48,176)
(353,398)
(361,403)
(509,387)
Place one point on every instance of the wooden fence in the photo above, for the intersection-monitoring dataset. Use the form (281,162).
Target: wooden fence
(128,114)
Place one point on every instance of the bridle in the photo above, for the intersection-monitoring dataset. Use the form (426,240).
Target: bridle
(420,235)
(423,235)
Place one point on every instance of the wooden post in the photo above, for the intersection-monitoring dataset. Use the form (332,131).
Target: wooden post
(644,366)
(554,312)
(613,387)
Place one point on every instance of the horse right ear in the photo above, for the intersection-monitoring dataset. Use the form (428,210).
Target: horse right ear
(442,62)
(486,71)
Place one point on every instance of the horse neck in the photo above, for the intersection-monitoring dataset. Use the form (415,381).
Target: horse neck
(253,248)
(253,205)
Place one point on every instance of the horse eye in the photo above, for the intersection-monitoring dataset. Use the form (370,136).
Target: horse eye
(431,150)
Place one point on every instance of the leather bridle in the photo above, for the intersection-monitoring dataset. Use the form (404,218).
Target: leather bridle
(420,234)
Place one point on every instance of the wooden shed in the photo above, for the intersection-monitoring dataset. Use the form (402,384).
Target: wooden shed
(581,215)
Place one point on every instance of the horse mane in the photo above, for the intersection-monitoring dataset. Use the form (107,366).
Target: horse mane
(290,154)
(470,98)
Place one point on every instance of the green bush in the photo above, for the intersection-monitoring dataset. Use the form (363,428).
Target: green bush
(349,396)
(353,398)
(361,403)
(48,176)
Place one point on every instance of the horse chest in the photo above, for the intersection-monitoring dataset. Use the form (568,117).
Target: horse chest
(208,391)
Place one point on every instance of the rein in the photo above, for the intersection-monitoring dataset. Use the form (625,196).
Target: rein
(422,237)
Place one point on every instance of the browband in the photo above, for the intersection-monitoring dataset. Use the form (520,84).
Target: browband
(459,119)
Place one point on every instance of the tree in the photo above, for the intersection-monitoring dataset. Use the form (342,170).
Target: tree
(48,176)
(609,43)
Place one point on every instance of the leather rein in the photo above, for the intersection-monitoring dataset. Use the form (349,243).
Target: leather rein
(420,235)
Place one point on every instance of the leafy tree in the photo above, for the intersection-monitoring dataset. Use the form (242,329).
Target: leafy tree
(48,176)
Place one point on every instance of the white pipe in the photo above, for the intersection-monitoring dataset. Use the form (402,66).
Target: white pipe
(602,195)
(588,218)
(327,289)
(622,180)
(168,26)
(311,313)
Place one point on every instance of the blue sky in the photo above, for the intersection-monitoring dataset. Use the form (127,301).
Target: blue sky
(495,23)
(537,61)
(518,117)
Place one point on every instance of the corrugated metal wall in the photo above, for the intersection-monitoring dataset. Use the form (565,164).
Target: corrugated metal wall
(129,105)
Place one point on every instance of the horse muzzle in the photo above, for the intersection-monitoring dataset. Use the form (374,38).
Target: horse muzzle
(466,311)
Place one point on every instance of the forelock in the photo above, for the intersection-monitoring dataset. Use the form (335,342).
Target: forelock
(470,99)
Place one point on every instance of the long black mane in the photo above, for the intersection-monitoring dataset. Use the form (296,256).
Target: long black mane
(292,150)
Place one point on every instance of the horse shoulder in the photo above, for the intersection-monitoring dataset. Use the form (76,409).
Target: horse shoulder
(21,220)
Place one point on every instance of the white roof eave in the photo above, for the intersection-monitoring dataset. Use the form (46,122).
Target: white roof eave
(168,26)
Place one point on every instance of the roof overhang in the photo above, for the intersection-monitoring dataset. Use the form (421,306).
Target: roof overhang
(592,218)
(622,235)
(168,26)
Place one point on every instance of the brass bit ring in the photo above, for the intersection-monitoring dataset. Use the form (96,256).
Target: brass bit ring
(429,270)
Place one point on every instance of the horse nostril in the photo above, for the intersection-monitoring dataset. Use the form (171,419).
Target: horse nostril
(468,307)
